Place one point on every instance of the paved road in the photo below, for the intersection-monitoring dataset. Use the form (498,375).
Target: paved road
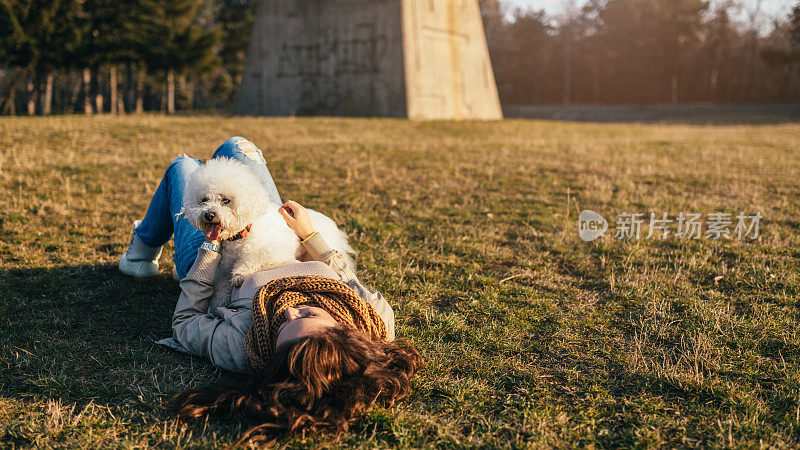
(711,114)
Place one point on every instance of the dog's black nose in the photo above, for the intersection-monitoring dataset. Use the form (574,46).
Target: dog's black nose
(210,216)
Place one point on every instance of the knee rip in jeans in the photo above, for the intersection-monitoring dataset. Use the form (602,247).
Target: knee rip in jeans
(249,149)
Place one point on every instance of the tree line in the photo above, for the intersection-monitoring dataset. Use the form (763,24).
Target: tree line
(644,52)
(107,56)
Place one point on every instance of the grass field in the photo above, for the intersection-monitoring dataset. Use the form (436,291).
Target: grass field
(532,337)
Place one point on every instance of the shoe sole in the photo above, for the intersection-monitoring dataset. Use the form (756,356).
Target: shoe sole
(147,278)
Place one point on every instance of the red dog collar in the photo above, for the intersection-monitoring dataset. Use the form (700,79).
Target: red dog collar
(240,234)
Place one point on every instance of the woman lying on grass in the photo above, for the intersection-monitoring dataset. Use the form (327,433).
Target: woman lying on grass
(313,346)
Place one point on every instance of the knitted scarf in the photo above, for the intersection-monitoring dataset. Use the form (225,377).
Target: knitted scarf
(335,297)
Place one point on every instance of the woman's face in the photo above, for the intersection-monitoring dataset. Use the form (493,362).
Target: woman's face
(303,321)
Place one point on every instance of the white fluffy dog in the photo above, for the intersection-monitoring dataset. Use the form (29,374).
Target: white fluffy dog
(225,197)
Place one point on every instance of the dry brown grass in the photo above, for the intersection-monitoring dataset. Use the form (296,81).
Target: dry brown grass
(532,336)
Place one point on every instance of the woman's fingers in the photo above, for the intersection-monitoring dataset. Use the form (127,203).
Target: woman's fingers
(287,216)
(294,207)
(297,218)
(288,207)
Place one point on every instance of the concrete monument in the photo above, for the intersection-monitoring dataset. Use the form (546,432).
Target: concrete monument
(422,59)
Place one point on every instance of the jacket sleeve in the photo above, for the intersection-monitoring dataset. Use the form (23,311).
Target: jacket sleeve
(341,264)
(200,333)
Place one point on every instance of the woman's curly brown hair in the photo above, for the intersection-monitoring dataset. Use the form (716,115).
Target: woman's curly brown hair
(321,382)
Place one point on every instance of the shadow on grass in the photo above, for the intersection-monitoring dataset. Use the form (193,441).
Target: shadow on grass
(87,333)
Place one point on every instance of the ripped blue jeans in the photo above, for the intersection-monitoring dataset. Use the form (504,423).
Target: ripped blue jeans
(161,222)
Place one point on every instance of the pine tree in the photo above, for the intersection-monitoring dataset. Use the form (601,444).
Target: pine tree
(647,41)
(787,55)
(174,41)
(520,58)
(235,19)
(39,37)
(678,27)
(109,41)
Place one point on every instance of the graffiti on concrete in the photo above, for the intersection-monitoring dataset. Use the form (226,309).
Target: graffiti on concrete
(333,54)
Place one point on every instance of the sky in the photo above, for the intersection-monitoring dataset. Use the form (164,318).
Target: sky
(769,8)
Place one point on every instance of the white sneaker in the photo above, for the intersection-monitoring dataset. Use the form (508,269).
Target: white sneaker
(140,261)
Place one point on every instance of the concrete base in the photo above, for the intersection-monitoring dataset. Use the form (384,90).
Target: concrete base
(422,59)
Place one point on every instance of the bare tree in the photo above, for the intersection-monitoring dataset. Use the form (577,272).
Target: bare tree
(753,16)
(565,22)
(47,106)
(87,97)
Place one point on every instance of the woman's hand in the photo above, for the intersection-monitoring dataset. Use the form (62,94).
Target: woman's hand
(297,218)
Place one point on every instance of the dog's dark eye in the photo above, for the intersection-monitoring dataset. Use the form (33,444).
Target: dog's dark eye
(204,200)
(225,201)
